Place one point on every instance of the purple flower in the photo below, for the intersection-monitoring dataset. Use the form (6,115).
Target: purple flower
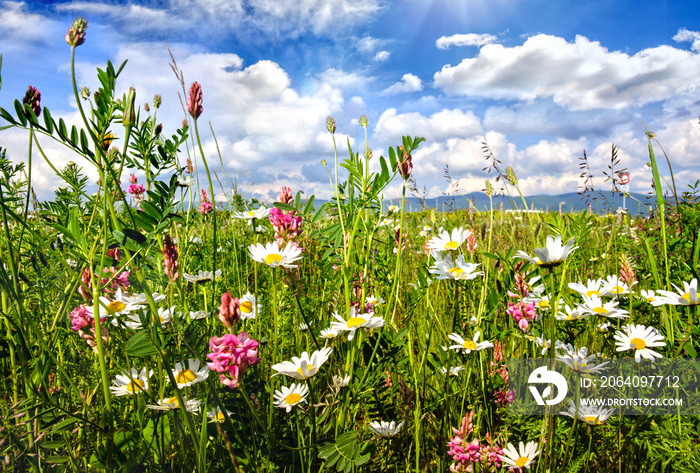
(194,101)
(33,99)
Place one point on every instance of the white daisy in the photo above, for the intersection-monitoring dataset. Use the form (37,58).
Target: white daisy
(541,301)
(467,346)
(393,209)
(545,344)
(649,296)
(132,383)
(258,213)
(372,300)
(386,222)
(216,415)
(191,374)
(200,314)
(590,289)
(341,381)
(449,241)
(579,360)
(604,328)
(521,458)
(140,301)
(687,296)
(459,270)
(452,370)
(272,255)
(133,321)
(171,403)
(639,338)
(288,397)
(591,415)
(202,276)
(386,429)
(595,305)
(552,255)
(329,333)
(303,367)
(355,322)
(570,314)
(614,286)
(249,306)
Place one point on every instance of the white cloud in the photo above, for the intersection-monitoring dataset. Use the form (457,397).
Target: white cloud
(691,36)
(580,75)
(381,56)
(18,26)
(438,126)
(470,39)
(408,83)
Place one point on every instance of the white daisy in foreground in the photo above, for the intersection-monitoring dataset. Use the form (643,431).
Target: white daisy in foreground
(552,255)
(288,397)
(189,373)
(139,301)
(687,296)
(132,383)
(202,276)
(249,306)
(171,403)
(590,289)
(570,314)
(216,415)
(329,333)
(649,296)
(521,458)
(355,322)
(639,338)
(452,370)
(258,213)
(579,360)
(341,381)
(458,270)
(595,305)
(386,429)
(272,255)
(303,367)
(449,241)
(468,346)
(591,415)
(614,286)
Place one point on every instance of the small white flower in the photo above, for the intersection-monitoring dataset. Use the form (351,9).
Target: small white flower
(171,403)
(355,322)
(570,314)
(216,415)
(452,370)
(579,360)
(552,255)
(595,305)
(200,314)
(288,397)
(249,306)
(614,286)
(590,289)
(303,367)
(329,333)
(272,255)
(202,276)
(467,346)
(341,381)
(190,374)
(131,383)
(639,338)
(449,241)
(459,270)
(521,458)
(686,296)
(591,415)
(386,429)
(258,213)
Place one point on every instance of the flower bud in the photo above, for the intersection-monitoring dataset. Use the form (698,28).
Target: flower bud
(230,310)
(159,129)
(157,101)
(406,165)
(85,92)
(129,115)
(76,33)
(330,125)
(489,188)
(285,196)
(194,101)
(510,174)
(363,121)
(33,99)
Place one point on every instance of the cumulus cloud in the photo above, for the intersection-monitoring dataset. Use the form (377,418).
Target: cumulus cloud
(580,75)
(687,35)
(381,56)
(438,126)
(18,26)
(408,83)
(470,39)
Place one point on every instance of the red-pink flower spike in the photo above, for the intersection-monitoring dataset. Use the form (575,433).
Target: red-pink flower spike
(194,100)
(76,33)
(170,259)
(33,99)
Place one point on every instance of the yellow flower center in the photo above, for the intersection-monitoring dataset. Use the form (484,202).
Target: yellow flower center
(456,271)
(185,376)
(601,310)
(247,307)
(451,245)
(543,304)
(593,420)
(116,306)
(573,316)
(686,296)
(273,258)
(292,398)
(592,293)
(356,322)
(638,343)
(469,345)
(172,400)
(652,299)
(330,335)
(309,369)
(134,385)
(250,213)
(617,290)
(219,417)
(153,319)
(520,462)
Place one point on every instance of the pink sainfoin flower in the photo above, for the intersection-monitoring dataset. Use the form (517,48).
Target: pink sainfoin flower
(464,453)
(115,280)
(229,310)
(231,355)
(471,243)
(406,164)
(626,270)
(490,454)
(205,206)
(83,322)
(33,99)
(194,101)
(135,189)
(522,314)
(504,396)
(190,168)
(76,33)
(285,196)
(170,259)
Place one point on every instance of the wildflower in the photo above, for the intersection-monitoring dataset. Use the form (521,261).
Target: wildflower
(449,241)
(76,33)
(229,310)
(463,452)
(341,381)
(386,429)
(138,301)
(32,100)
(579,360)
(329,333)
(258,213)
(131,383)
(129,115)
(452,370)
(217,415)
(521,458)
(170,258)
(393,209)
(249,306)
(626,270)
(687,296)
(199,314)
(202,276)
(288,397)
(194,101)
(649,296)
(541,301)
(639,338)
(591,415)
(231,355)
(190,374)
(303,367)
(467,346)
(272,255)
(205,206)
(356,321)
(490,453)
(406,165)
(596,306)
(614,286)
(590,289)
(285,196)
(546,344)
(372,300)
(522,313)
(330,125)
(604,327)
(458,270)
(552,255)
(286,226)
(570,314)
(171,403)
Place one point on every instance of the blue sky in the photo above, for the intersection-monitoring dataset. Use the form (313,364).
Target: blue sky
(540,81)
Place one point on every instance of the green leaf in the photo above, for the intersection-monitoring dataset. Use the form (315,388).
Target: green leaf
(4,113)
(140,345)
(48,121)
(151,210)
(285,207)
(20,113)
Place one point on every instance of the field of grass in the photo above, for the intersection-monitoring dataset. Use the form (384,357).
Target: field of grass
(146,329)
